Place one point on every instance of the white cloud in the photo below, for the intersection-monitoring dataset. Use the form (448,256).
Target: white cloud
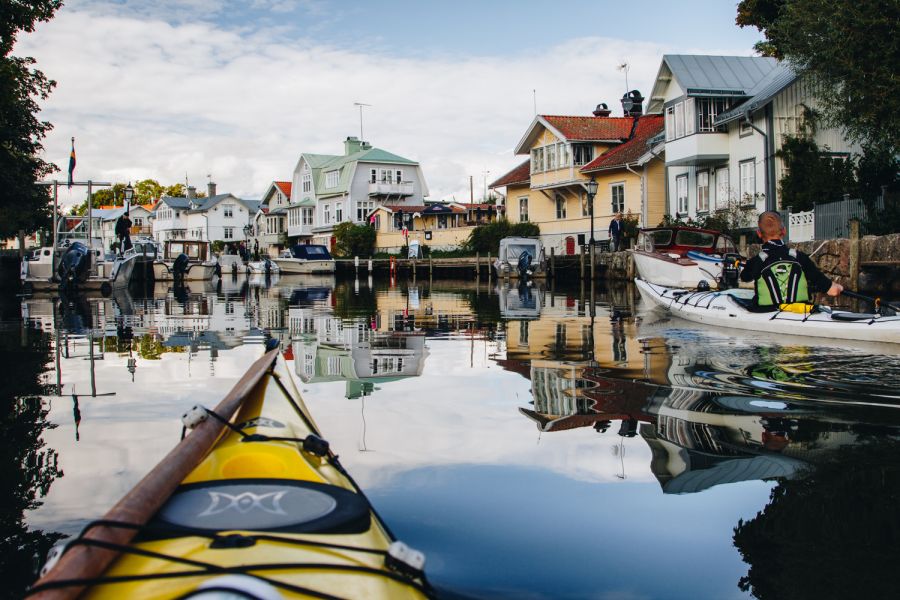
(148,98)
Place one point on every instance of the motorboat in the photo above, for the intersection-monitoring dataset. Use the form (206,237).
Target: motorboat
(231,263)
(134,265)
(305,259)
(185,260)
(263,266)
(520,258)
(682,257)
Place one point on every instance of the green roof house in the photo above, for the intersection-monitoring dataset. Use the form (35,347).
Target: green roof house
(328,189)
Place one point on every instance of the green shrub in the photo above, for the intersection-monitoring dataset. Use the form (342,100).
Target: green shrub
(486,238)
(354,240)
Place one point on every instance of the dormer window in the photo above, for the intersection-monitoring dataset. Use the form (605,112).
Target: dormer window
(332,178)
(582,154)
(306,182)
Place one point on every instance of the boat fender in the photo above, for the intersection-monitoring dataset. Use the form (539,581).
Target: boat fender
(404,559)
(196,415)
(237,586)
(315,445)
(54,555)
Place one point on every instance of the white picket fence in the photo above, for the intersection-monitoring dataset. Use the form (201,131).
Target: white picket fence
(802,226)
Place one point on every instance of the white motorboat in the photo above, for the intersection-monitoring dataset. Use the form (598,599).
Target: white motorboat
(196,264)
(730,308)
(520,257)
(682,256)
(264,266)
(305,259)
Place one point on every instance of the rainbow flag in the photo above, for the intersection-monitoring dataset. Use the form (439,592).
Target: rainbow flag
(71,163)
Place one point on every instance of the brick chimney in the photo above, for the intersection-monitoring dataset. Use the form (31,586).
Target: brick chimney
(602,110)
(211,189)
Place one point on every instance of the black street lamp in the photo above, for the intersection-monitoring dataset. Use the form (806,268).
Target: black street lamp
(591,187)
(129,195)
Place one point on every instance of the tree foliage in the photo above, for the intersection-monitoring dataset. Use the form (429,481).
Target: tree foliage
(23,204)
(850,50)
(811,174)
(486,238)
(354,240)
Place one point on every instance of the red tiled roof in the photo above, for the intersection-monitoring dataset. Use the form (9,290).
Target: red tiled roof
(521,174)
(646,127)
(591,128)
(285,187)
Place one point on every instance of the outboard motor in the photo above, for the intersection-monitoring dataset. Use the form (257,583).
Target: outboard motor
(75,265)
(524,265)
(731,268)
(180,266)
(268,267)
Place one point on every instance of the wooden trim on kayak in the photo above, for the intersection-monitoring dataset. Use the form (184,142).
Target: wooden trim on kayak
(146,498)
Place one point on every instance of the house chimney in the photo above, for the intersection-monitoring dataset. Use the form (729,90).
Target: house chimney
(211,189)
(633,104)
(352,145)
(191,192)
(602,110)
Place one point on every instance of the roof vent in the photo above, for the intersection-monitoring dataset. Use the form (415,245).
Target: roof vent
(632,104)
(602,110)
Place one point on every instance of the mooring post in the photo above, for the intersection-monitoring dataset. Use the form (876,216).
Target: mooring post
(370,265)
(552,262)
(489,269)
(581,262)
(854,258)
(477,265)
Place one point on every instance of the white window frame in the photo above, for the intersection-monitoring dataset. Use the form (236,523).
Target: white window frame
(399,174)
(585,208)
(338,212)
(670,123)
(228,211)
(332,178)
(306,183)
(373,175)
(723,187)
(560,207)
(620,186)
(307,216)
(747,170)
(690,116)
(523,209)
(362,209)
(682,201)
(679,119)
(228,233)
(702,192)
(326,214)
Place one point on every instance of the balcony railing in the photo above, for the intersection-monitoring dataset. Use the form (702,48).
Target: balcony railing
(387,188)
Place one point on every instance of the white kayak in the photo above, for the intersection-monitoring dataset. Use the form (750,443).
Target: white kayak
(724,309)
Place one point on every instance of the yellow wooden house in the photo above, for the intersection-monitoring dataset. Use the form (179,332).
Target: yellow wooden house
(565,152)
(440,226)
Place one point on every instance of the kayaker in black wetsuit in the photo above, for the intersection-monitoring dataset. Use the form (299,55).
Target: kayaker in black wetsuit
(783,275)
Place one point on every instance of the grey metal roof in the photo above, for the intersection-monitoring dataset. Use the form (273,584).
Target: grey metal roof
(778,79)
(738,75)
(176,202)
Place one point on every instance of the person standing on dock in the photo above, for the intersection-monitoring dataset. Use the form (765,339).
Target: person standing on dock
(783,276)
(615,233)
(123,232)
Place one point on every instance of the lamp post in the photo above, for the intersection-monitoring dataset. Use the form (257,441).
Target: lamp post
(591,188)
(129,195)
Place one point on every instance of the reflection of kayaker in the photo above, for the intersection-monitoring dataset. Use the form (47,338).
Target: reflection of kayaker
(775,367)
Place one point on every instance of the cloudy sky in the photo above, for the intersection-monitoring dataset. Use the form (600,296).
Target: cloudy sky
(236,90)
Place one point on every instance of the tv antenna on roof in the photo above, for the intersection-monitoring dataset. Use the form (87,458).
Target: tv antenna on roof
(360,105)
(624,67)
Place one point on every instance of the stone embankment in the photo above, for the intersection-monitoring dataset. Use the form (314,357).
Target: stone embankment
(879,261)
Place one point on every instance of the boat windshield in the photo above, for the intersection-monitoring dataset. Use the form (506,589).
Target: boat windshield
(661,237)
(698,239)
(514,251)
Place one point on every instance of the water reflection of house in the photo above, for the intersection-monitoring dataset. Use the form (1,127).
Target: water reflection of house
(422,308)
(325,348)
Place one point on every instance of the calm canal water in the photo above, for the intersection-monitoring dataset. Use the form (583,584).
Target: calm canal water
(533,443)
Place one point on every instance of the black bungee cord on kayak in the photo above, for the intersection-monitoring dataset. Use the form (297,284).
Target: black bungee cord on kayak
(203,568)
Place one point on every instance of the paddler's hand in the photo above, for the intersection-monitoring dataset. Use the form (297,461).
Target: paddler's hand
(835,289)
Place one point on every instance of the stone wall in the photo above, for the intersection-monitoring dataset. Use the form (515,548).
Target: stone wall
(833,258)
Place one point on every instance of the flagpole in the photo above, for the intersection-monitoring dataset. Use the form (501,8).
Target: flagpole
(55,228)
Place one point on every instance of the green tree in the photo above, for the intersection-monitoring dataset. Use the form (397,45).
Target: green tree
(23,204)
(811,175)
(850,50)
(147,191)
(175,191)
(486,238)
(354,240)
